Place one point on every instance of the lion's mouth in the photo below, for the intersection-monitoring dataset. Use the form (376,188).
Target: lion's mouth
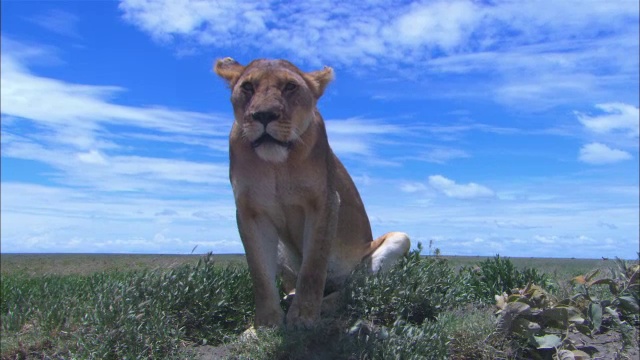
(266,138)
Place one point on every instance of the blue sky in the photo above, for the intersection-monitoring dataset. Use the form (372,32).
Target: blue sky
(483,126)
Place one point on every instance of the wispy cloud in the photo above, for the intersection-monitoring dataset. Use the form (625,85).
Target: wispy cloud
(58,21)
(71,131)
(38,218)
(607,225)
(360,136)
(599,154)
(413,187)
(54,102)
(101,191)
(388,30)
(104,172)
(516,225)
(438,184)
(459,191)
(442,155)
(559,212)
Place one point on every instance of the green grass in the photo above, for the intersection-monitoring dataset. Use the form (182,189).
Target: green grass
(149,307)
(114,315)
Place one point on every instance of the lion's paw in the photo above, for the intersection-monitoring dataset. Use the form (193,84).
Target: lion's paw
(298,318)
(269,319)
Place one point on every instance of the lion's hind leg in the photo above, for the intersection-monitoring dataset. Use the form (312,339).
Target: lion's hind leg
(392,246)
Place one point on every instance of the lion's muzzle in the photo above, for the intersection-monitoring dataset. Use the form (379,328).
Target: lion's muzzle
(266,138)
(266,117)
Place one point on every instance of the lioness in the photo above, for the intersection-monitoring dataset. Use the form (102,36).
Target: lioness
(299,213)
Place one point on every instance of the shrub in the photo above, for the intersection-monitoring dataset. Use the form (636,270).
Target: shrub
(496,276)
(415,290)
(404,340)
(147,314)
(548,323)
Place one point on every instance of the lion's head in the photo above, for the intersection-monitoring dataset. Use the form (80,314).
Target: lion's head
(273,101)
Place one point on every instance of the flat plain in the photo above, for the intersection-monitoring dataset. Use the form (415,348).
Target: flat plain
(85,264)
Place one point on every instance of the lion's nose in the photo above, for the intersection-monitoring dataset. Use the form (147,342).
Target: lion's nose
(265,117)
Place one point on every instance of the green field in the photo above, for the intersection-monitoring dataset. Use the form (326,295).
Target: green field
(107,306)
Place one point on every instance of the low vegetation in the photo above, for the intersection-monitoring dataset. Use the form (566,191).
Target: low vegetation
(423,308)
(140,314)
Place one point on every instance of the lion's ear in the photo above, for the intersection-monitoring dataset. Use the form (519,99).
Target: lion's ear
(320,79)
(228,69)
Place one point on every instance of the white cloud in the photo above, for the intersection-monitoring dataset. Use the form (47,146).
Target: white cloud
(555,222)
(360,126)
(37,218)
(546,239)
(71,131)
(83,109)
(108,198)
(92,157)
(413,187)
(442,155)
(459,191)
(165,19)
(599,154)
(358,136)
(445,25)
(350,32)
(618,118)
(618,124)
(104,172)
(532,54)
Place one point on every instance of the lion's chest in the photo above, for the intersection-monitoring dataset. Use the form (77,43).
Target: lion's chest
(290,201)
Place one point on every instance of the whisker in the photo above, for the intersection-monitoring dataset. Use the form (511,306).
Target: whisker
(298,137)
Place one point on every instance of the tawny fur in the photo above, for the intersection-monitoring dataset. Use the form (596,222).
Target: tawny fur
(299,213)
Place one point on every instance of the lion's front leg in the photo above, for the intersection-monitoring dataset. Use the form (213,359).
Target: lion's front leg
(319,233)
(306,306)
(260,241)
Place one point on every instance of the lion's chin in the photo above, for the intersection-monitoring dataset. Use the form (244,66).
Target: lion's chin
(272,152)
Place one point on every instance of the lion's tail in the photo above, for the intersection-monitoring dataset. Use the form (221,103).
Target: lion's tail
(386,249)
(375,244)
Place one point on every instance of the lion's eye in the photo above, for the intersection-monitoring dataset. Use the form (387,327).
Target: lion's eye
(247,86)
(290,86)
